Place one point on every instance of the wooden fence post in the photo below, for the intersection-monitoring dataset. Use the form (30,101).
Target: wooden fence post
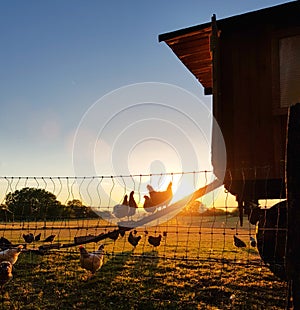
(293,198)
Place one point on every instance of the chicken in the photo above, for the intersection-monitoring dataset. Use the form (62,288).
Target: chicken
(38,237)
(148,205)
(133,240)
(122,230)
(252,242)
(91,261)
(11,254)
(155,241)
(125,201)
(162,198)
(29,238)
(238,242)
(5,273)
(271,237)
(132,205)
(4,243)
(121,210)
(113,235)
(49,238)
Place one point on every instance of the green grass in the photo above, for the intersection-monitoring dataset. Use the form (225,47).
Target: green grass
(195,267)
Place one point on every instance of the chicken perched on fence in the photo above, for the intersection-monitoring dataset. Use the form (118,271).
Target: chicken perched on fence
(148,205)
(132,205)
(158,198)
(127,208)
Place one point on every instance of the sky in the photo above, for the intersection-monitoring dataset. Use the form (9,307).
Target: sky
(87,89)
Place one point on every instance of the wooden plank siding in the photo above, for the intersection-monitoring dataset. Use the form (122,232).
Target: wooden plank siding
(247,109)
(246,116)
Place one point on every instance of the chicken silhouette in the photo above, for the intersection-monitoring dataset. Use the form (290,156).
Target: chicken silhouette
(38,237)
(50,238)
(133,240)
(252,242)
(155,241)
(91,261)
(132,205)
(238,242)
(114,234)
(4,243)
(11,254)
(29,238)
(5,273)
(271,237)
(160,198)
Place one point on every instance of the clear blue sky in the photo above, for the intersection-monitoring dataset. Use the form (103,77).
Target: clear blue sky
(58,57)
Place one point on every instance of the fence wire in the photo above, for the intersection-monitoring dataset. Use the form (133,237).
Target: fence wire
(201,258)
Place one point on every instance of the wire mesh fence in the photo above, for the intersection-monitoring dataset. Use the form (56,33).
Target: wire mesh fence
(183,254)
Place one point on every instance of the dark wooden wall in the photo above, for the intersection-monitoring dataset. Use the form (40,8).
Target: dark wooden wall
(254,135)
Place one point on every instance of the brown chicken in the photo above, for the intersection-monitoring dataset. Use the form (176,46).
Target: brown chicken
(91,261)
(5,273)
(148,205)
(125,201)
(11,254)
(132,205)
(162,198)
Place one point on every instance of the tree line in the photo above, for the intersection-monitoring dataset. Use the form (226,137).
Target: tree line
(35,204)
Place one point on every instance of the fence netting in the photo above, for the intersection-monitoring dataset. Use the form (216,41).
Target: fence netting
(194,256)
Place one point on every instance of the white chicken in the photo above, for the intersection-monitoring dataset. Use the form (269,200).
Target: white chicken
(121,210)
(11,254)
(91,261)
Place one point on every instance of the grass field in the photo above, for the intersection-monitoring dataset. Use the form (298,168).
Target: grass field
(196,266)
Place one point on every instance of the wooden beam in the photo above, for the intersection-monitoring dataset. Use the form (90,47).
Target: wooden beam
(293,198)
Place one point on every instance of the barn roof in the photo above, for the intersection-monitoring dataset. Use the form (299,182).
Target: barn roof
(192,44)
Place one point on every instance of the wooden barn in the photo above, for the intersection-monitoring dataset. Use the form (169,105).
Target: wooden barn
(250,64)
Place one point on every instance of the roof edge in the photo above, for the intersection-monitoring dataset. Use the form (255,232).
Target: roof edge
(170,35)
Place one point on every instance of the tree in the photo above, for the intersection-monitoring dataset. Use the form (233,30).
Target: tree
(78,210)
(33,204)
(194,208)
